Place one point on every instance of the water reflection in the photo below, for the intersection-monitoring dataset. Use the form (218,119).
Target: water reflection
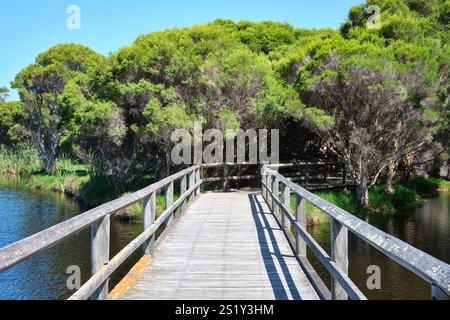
(24,212)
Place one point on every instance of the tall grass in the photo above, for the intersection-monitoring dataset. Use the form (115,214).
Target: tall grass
(22,161)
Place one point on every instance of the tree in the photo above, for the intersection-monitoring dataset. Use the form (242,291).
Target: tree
(3,94)
(370,116)
(40,85)
(165,81)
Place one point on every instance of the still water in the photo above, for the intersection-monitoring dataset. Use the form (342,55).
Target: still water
(427,228)
(24,212)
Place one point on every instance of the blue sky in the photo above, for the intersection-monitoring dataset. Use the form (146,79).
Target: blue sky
(30,27)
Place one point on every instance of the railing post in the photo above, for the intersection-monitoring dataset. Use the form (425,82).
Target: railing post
(100,234)
(272,191)
(438,294)
(197,179)
(300,217)
(264,179)
(148,219)
(201,171)
(182,192)
(286,200)
(339,254)
(225,178)
(169,202)
(191,184)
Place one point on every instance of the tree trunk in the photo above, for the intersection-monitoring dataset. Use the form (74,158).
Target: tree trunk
(50,164)
(362,193)
(389,189)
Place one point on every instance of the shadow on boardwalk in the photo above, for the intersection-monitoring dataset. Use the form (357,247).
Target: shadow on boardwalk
(271,253)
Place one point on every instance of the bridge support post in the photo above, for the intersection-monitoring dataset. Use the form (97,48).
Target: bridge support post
(182,192)
(100,233)
(300,217)
(339,254)
(148,216)
(169,202)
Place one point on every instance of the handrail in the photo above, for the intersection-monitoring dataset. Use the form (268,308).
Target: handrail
(432,270)
(88,289)
(98,220)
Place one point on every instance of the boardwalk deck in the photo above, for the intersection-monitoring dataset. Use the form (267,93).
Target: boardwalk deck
(228,246)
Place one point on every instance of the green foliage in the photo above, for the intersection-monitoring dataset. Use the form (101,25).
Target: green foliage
(116,113)
(429,186)
(404,199)
(23,160)
(12,123)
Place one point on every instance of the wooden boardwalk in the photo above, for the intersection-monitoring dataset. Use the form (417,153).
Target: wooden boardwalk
(228,246)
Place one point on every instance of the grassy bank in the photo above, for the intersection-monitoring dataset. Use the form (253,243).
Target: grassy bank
(71,178)
(22,161)
(75,179)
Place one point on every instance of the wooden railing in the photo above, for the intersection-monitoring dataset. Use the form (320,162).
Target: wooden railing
(277,189)
(98,220)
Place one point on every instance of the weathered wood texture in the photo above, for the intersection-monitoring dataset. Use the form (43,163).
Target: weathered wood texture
(26,248)
(228,246)
(430,269)
(100,235)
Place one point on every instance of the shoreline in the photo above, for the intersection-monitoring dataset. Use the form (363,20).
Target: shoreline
(86,192)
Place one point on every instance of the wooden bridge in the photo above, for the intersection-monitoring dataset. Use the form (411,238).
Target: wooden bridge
(226,245)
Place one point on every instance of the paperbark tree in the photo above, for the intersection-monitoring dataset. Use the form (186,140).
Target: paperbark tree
(40,85)
(367,117)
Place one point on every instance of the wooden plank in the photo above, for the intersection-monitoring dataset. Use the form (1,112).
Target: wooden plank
(33,245)
(198,177)
(104,273)
(225,178)
(231,178)
(300,218)
(100,237)
(338,275)
(227,246)
(130,279)
(339,254)
(148,219)
(275,194)
(168,197)
(286,200)
(183,187)
(422,264)
(191,181)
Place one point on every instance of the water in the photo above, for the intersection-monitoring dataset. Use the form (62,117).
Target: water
(428,229)
(24,212)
